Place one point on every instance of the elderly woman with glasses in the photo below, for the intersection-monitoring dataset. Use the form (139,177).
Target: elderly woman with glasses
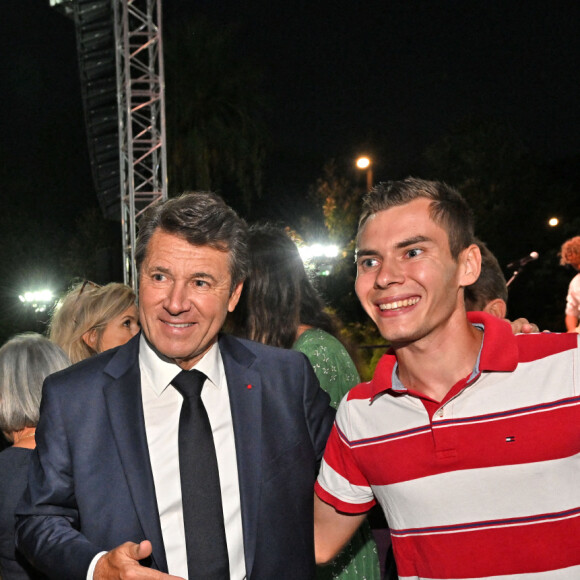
(90,319)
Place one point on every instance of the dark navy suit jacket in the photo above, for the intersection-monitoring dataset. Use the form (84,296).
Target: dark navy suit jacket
(91,486)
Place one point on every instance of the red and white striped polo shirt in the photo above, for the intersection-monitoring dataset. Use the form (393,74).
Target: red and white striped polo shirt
(485,484)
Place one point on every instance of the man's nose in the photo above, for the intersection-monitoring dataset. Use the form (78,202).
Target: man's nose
(177,299)
(389,273)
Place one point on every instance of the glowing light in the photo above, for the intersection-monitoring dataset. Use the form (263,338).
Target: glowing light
(363,162)
(39,300)
(318,251)
(553,222)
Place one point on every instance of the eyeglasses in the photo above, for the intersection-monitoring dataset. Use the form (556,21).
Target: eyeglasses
(84,285)
(81,290)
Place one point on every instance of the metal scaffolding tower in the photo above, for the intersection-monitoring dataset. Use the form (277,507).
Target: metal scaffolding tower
(121,66)
(141,106)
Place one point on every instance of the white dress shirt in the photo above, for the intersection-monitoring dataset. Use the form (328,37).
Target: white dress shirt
(161,407)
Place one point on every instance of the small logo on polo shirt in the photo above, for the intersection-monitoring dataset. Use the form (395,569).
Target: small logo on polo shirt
(510,439)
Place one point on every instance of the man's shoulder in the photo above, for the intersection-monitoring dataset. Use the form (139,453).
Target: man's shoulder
(575,283)
(545,344)
(363,390)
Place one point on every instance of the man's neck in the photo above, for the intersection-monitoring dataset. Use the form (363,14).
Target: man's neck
(432,365)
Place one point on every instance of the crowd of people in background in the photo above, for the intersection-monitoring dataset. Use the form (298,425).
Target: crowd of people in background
(107,483)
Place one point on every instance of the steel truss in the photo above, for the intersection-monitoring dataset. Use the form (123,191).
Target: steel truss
(126,122)
(141,106)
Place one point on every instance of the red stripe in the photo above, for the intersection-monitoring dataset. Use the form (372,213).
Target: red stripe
(340,458)
(536,346)
(487,553)
(542,436)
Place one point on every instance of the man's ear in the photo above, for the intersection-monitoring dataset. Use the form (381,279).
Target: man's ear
(470,261)
(497,307)
(90,338)
(235,297)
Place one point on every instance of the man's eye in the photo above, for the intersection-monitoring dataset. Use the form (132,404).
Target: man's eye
(414,253)
(369,262)
(201,283)
(158,277)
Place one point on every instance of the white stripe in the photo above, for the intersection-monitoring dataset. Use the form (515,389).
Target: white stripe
(572,573)
(477,495)
(510,416)
(532,383)
(488,527)
(420,433)
(330,480)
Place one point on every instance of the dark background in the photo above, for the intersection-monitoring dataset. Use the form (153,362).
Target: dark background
(391,78)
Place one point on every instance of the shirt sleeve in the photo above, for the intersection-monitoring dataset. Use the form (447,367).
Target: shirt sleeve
(573,297)
(341,483)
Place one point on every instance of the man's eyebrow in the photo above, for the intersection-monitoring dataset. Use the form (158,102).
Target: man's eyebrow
(195,275)
(363,252)
(204,275)
(159,269)
(412,241)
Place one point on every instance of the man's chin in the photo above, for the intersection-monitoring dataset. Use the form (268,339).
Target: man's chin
(170,353)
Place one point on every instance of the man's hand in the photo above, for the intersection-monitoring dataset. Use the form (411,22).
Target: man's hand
(522,326)
(122,563)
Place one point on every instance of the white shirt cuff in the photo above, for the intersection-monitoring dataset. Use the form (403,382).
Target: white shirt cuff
(94,561)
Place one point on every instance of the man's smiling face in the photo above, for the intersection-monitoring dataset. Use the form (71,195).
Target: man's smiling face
(184,296)
(407,280)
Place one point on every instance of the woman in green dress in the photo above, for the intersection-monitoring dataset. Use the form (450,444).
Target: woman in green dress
(279,306)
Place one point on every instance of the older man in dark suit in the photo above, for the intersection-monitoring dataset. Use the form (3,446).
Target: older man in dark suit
(183,452)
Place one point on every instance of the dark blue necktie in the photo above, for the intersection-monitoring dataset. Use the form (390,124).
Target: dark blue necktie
(205,538)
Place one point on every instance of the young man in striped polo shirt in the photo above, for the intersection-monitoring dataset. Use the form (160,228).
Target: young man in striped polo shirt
(467,436)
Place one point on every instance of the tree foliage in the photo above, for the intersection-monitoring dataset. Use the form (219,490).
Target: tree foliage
(340,201)
(215,134)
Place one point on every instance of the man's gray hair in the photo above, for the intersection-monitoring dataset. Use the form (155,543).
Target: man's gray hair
(202,219)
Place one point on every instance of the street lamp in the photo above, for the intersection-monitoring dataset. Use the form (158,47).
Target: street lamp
(365,163)
(553,222)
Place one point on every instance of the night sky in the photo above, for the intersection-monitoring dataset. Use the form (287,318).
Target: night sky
(338,77)
(407,70)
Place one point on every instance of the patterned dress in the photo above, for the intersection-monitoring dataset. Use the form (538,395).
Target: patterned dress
(337,375)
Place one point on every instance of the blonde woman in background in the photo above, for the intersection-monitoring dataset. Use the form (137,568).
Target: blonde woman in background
(90,319)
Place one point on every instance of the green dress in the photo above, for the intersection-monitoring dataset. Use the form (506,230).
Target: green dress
(337,375)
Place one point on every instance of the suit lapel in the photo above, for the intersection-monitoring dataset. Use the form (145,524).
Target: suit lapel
(245,390)
(125,408)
